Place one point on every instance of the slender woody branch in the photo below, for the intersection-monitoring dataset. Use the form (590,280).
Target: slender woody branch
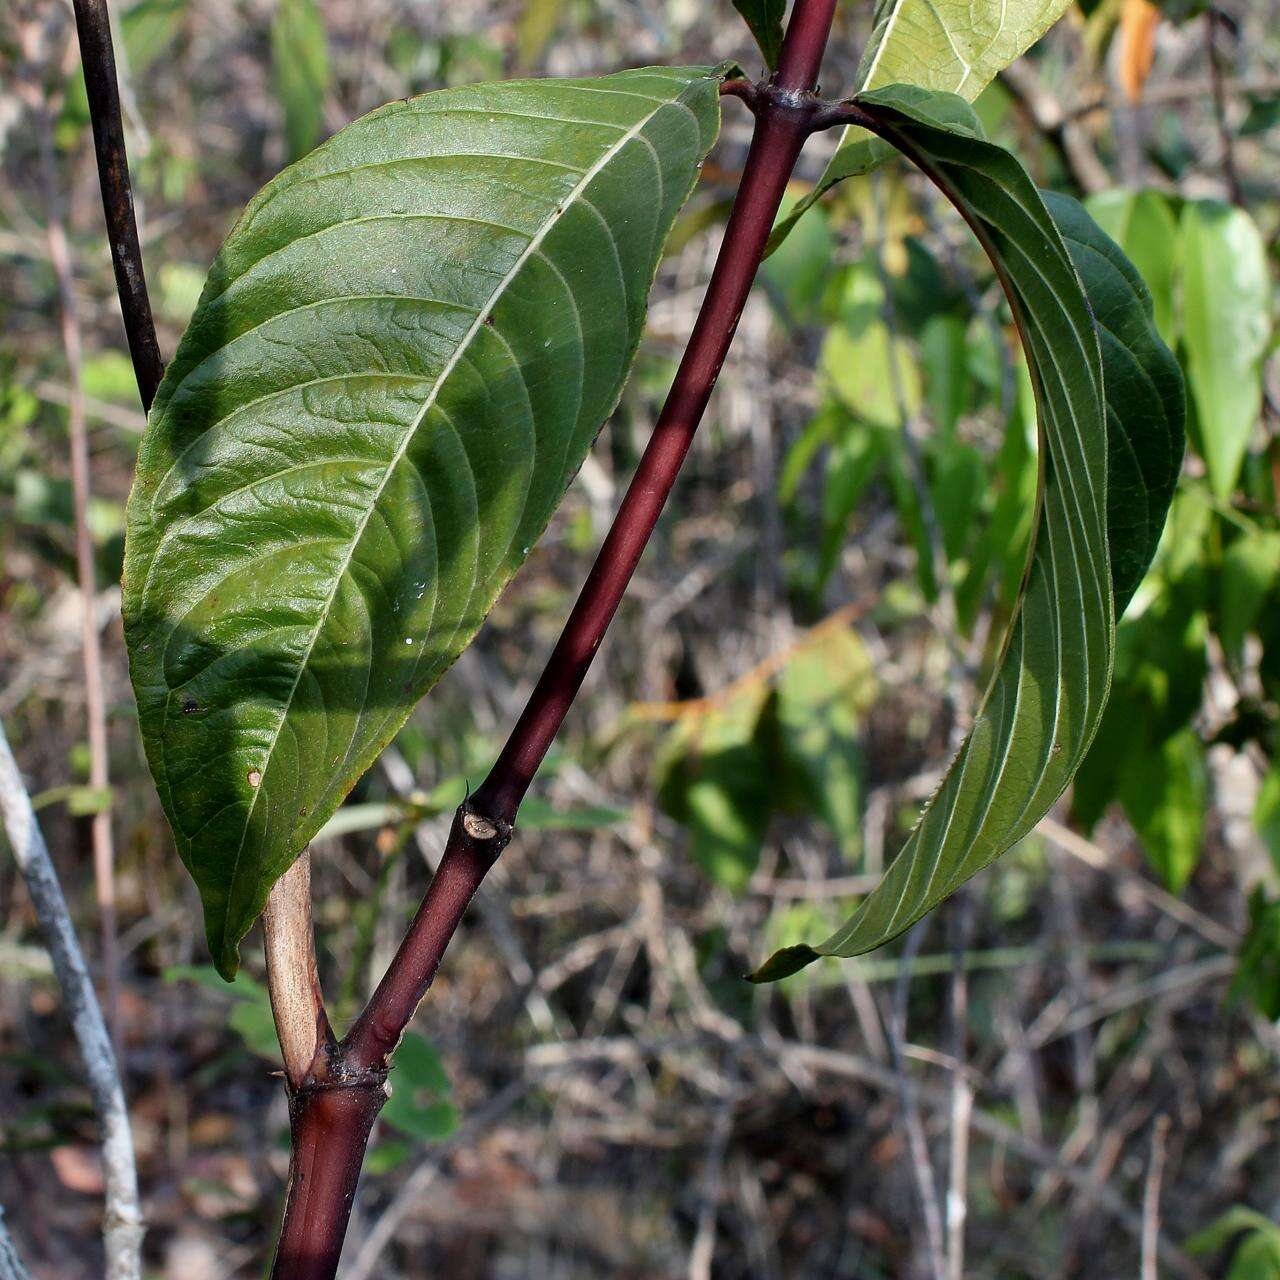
(97,54)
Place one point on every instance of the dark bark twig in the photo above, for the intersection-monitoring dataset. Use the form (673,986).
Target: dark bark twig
(97,53)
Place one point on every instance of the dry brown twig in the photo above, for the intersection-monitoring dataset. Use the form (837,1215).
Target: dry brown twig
(1151,1199)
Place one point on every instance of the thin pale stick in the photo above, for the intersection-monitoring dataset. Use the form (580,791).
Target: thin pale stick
(122,1223)
(293,980)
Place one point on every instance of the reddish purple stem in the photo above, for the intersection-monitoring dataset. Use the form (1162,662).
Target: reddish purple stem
(785,112)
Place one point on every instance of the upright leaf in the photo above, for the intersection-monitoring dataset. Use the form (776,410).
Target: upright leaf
(300,64)
(403,351)
(1164,792)
(1051,683)
(764,17)
(718,777)
(953,46)
(1226,308)
(1143,225)
(537,25)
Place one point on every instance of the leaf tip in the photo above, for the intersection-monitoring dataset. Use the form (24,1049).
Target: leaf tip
(782,964)
(225,952)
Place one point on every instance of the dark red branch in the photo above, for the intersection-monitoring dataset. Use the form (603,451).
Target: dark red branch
(93,27)
(329,1128)
(331,1123)
(473,847)
(785,110)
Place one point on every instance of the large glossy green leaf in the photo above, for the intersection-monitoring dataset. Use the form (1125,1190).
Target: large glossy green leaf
(1226,305)
(402,353)
(1052,680)
(953,46)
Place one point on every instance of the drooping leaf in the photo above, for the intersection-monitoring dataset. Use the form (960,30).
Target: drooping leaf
(1051,684)
(954,46)
(300,66)
(764,18)
(1226,308)
(404,350)
(1146,399)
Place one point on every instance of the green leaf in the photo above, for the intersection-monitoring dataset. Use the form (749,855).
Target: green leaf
(1146,400)
(1219,1233)
(80,801)
(717,776)
(404,350)
(1266,812)
(796,277)
(146,30)
(944,364)
(1051,682)
(764,17)
(1258,976)
(417,1070)
(250,1014)
(1250,567)
(300,67)
(540,815)
(955,47)
(1143,225)
(1164,791)
(1257,1258)
(823,692)
(538,22)
(1226,306)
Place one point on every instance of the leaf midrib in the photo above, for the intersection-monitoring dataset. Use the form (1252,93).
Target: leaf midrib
(535,243)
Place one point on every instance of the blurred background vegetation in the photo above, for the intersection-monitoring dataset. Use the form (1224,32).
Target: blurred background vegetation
(1072,1067)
